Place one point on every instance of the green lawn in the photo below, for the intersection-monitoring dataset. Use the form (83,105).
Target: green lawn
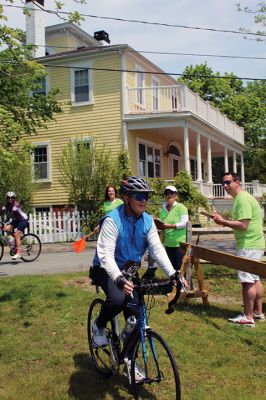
(44,353)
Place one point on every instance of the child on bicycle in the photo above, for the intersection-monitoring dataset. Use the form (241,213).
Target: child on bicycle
(125,234)
(16,218)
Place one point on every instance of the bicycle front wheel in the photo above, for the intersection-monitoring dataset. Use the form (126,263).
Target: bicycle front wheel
(103,357)
(30,246)
(156,363)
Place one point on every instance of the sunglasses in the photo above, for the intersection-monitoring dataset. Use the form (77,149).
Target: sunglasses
(140,196)
(10,198)
(169,193)
(229,181)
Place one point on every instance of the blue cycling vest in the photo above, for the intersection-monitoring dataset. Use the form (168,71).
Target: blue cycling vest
(132,240)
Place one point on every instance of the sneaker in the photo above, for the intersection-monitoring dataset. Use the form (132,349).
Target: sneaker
(139,374)
(259,317)
(99,335)
(241,319)
(16,257)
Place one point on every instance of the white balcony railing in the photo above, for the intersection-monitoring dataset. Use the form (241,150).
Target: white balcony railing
(167,99)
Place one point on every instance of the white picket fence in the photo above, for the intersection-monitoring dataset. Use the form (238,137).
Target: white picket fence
(52,227)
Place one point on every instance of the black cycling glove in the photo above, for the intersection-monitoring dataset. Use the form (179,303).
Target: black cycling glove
(120,281)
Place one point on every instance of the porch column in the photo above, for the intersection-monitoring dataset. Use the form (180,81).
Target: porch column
(186,149)
(199,171)
(209,161)
(242,169)
(234,162)
(226,160)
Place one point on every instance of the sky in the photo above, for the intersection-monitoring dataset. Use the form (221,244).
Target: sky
(217,14)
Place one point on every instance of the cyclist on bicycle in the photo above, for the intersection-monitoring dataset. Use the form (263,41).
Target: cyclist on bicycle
(16,219)
(125,234)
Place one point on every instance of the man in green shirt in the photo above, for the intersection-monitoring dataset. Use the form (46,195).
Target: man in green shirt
(247,225)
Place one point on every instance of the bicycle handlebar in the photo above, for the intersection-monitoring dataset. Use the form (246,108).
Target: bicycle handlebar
(146,287)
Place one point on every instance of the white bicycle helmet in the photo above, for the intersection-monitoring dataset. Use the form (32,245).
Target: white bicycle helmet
(135,184)
(11,194)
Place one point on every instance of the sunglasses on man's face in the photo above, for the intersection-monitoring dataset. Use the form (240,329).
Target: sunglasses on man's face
(169,193)
(140,196)
(229,181)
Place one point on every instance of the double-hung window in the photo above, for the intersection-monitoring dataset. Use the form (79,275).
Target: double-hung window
(81,86)
(41,162)
(42,87)
(149,160)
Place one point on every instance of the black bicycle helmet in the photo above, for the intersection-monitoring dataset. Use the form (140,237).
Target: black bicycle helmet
(135,184)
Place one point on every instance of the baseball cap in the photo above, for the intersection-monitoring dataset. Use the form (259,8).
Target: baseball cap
(170,188)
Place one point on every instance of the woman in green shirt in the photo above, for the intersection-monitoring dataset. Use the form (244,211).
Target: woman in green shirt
(174,215)
(110,199)
(110,203)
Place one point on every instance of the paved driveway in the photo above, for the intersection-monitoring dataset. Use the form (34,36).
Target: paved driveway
(53,259)
(60,258)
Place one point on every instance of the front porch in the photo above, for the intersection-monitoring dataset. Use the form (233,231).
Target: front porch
(172,128)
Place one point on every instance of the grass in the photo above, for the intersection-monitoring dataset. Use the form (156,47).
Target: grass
(44,353)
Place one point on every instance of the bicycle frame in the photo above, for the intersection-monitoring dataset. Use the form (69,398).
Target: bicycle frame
(139,330)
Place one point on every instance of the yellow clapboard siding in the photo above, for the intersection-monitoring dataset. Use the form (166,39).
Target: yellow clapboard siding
(101,120)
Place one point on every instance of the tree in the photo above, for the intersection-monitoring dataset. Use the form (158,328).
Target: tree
(188,194)
(85,173)
(259,16)
(20,112)
(243,104)
(12,167)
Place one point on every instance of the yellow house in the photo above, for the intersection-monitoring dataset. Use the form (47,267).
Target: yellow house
(115,95)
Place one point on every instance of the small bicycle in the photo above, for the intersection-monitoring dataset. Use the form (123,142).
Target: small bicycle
(145,348)
(31,246)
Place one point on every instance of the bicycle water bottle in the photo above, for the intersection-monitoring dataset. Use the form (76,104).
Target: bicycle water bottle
(129,326)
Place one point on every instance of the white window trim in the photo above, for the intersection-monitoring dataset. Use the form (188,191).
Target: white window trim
(82,64)
(154,146)
(42,144)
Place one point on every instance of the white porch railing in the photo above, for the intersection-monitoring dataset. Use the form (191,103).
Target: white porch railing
(167,99)
(57,227)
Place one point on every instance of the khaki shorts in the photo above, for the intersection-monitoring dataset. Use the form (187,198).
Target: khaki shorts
(246,277)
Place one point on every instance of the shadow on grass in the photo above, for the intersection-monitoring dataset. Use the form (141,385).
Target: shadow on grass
(86,384)
(210,311)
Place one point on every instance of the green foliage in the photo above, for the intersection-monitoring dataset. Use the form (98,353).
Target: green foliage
(16,175)
(259,17)
(123,165)
(20,113)
(243,104)
(85,173)
(188,194)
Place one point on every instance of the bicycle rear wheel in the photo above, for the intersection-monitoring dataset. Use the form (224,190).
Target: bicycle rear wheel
(31,247)
(103,357)
(1,251)
(159,368)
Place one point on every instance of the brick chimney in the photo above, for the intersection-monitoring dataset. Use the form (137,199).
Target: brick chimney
(35,30)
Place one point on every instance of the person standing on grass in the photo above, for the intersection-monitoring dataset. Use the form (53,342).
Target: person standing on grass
(174,216)
(248,230)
